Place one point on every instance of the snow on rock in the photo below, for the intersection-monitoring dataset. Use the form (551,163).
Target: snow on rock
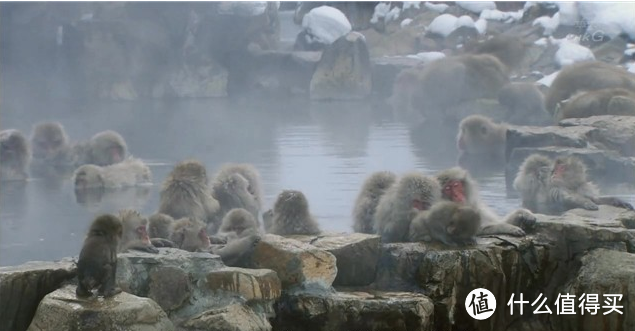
(629,51)
(382,10)
(465,21)
(481,26)
(406,22)
(439,7)
(443,24)
(412,4)
(541,42)
(609,19)
(497,15)
(630,67)
(426,57)
(547,80)
(568,13)
(243,8)
(550,24)
(571,52)
(476,7)
(325,24)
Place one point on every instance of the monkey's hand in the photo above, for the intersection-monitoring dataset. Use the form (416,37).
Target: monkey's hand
(503,228)
(590,205)
(613,201)
(161,242)
(522,218)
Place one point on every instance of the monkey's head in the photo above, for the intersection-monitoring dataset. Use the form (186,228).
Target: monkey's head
(48,139)
(535,170)
(464,224)
(238,220)
(87,177)
(190,235)
(135,226)
(14,148)
(479,135)
(108,147)
(419,191)
(380,181)
(190,170)
(457,185)
(291,201)
(569,170)
(106,226)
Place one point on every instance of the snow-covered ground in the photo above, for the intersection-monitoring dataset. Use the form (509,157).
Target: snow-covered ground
(325,24)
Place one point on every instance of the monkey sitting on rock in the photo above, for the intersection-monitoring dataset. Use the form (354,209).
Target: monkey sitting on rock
(366,204)
(290,215)
(447,222)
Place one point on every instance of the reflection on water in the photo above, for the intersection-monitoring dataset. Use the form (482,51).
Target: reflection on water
(325,149)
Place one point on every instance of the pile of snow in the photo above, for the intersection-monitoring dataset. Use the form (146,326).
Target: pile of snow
(570,51)
(446,23)
(630,67)
(497,15)
(405,22)
(541,42)
(411,4)
(245,8)
(568,13)
(550,24)
(476,7)
(548,80)
(382,10)
(325,24)
(609,19)
(427,57)
(439,8)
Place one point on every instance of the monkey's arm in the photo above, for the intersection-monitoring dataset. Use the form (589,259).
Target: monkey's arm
(502,228)
(162,242)
(140,246)
(570,200)
(613,201)
(522,218)
(236,250)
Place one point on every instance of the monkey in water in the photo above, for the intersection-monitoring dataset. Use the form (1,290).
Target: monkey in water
(368,198)
(97,264)
(586,76)
(448,222)
(128,173)
(185,193)
(291,215)
(553,187)
(106,148)
(14,155)
(191,235)
(238,186)
(52,154)
(412,193)
(509,49)
(135,232)
(609,101)
(525,104)
(479,135)
(458,186)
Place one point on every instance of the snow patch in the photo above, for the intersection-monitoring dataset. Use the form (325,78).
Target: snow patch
(568,13)
(541,42)
(243,8)
(630,66)
(383,10)
(406,22)
(426,57)
(325,24)
(439,8)
(570,51)
(548,80)
(481,26)
(476,6)
(609,19)
(550,24)
(497,15)
(443,24)
(411,4)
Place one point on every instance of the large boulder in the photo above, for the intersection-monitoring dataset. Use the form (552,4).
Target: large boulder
(321,26)
(380,311)
(22,287)
(297,264)
(62,310)
(233,317)
(611,132)
(343,72)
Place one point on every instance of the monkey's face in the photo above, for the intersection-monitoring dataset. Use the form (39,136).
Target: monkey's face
(88,177)
(109,152)
(204,238)
(48,143)
(454,190)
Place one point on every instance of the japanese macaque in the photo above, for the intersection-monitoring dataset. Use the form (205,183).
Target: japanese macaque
(366,204)
(447,222)
(291,215)
(610,101)
(238,223)
(106,148)
(479,135)
(129,173)
(185,193)
(135,232)
(238,186)
(411,194)
(450,81)
(458,186)
(160,228)
(553,187)
(509,49)
(97,264)
(586,76)
(525,104)
(405,87)
(14,155)
(191,235)
(52,154)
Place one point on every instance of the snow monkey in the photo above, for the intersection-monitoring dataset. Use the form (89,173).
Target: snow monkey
(106,148)
(553,187)
(368,198)
(609,101)
(160,227)
(413,192)
(509,49)
(586,76)
(52,154)
(185,193)
(238,223)
(128,173)
(479,135)
(238,186)
(525,104)
(14,155)
(458,186)
(447,222)
(291,215)
(97,264)
(135,232)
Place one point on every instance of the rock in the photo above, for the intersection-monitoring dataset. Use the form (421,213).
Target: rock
(251,284)
(385,70)
(343,72)
(186,284)
(230,318)
(357,13)
(22,287)
(536,136)
(357,255)
(383,311)
(296,263)
(321,27)
(62,310)
(204,80)
(604,167)
(612,132)
(599,275)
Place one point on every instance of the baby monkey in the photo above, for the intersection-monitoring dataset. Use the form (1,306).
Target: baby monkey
(447,222)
